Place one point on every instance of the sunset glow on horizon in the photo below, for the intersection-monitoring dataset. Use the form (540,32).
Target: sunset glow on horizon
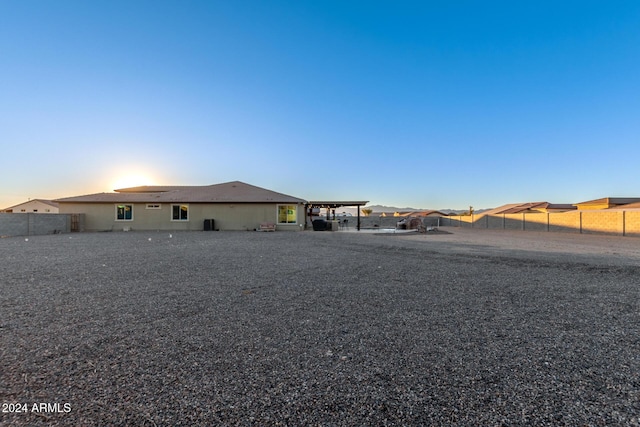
(134,180)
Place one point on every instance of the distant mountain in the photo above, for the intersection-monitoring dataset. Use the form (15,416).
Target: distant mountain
(462,211)
(381,208)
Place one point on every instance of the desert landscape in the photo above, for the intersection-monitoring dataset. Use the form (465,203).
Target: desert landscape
(460,327)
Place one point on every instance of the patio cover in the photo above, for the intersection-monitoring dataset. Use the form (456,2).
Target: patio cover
(333,204)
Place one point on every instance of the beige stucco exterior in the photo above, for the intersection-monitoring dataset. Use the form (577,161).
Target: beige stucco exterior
(233,216)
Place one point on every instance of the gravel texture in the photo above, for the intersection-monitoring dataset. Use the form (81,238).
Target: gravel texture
(320,328)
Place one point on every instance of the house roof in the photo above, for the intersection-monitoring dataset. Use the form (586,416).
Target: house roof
(515,208)
(523,207)
(565,206)
(45,201)
(228,192)
(611,201)
(628,206)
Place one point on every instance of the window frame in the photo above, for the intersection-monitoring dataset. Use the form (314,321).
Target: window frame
(179,205)
(287,207)
(117,207)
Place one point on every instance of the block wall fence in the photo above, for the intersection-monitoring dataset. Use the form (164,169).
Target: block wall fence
(618,223)
(31,224)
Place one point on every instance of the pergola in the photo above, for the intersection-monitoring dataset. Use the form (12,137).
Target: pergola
(333,205)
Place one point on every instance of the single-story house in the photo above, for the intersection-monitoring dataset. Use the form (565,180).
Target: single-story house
(33,206)
(530,207)
(627,207)
(606,203)
(229,206)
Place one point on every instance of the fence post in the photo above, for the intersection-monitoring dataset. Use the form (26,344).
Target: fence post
(580,222)
(624,223)
(547,221)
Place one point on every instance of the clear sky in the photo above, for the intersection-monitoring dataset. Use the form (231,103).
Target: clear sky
(429,104)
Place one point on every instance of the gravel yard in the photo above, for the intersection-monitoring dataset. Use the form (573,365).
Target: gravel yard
(475,327)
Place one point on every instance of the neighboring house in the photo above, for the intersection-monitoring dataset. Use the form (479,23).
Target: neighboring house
(33,206)
(559,207)
(530,207)
(628,207)
(229,206)
(606,203)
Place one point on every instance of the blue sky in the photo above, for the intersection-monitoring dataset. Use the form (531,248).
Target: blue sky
(429,104)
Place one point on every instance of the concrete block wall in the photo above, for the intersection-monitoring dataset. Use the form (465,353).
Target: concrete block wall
(14,224)
(29,224)
(565,221)
(466,221)
(601,222)
(456,221)
(390,221)
(495,222)
(632,223)
(621,223)
(513,222)
(373,221)
(536,221)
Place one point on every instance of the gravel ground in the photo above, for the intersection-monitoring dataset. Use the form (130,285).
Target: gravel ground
(319,328)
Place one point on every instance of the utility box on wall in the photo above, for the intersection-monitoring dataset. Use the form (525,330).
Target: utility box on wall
(209,225)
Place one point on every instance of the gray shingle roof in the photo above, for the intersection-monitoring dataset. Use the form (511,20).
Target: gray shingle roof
(228,192)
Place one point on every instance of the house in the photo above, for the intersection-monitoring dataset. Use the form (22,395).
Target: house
(530,207)
(33,206)
(228,206)
(606,203)
(627,207)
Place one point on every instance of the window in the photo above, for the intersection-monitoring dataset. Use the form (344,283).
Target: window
(180,212)
(287,214)
(124,212)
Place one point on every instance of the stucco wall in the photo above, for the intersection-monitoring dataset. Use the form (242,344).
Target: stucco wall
(239,216)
